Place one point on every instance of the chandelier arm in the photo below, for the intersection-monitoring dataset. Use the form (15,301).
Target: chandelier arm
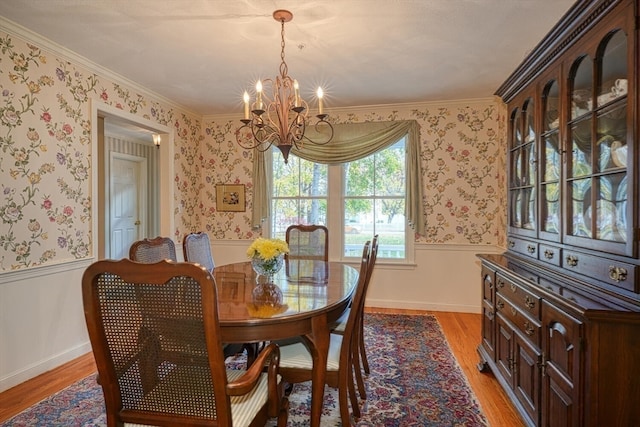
(259,140)
(321,123)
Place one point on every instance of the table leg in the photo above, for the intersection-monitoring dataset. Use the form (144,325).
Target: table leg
(320,338)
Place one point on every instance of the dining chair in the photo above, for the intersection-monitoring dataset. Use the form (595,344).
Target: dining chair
(308,242)
(196,247)
(360,361)
(153,250)
(296,362)
(155,336)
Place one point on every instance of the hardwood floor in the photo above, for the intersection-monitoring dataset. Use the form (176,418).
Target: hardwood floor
(462,331)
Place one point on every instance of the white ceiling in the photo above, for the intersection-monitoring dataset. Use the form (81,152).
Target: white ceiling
(202,54)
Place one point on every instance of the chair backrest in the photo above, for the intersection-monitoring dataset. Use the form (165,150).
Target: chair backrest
(149,251)
(197,248)
(372,259)
(308,242)
(357,302)
(155,336)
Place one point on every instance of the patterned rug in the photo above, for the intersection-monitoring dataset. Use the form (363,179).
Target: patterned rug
(414,381)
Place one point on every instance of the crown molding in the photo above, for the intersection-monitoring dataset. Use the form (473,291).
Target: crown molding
(358,108)
(54,48)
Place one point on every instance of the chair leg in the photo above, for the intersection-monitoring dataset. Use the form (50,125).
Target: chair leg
(283,416)
(363,351)
(355,406)
(358,371)
(345,385)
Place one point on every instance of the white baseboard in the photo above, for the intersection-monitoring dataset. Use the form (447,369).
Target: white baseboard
(408,305)
(43,366)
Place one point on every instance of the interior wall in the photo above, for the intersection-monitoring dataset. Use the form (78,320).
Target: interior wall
(52,157)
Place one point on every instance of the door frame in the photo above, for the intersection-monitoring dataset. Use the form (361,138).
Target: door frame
(100,180)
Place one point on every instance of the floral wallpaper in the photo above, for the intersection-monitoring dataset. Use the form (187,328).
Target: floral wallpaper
(46,164)
(463,167)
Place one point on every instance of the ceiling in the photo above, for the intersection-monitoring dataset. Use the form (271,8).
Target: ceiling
(202,54)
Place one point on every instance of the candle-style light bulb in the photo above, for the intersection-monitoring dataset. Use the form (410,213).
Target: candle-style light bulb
(246,99)
(259,92)
(296,91)
(320,95)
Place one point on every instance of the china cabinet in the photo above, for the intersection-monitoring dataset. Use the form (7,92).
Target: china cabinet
(561,307)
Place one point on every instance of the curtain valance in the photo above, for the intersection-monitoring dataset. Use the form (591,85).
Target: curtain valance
(353,141)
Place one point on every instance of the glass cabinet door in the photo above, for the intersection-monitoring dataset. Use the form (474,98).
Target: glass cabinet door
(522,189)
(597,170)
(551,163)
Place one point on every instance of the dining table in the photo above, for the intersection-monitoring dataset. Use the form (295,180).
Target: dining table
(304,299)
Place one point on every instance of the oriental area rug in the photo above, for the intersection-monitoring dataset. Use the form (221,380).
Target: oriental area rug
(415,381)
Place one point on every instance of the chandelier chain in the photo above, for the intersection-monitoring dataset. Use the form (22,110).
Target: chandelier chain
(283,65)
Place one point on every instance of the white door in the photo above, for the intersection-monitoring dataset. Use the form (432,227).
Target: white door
(127,195)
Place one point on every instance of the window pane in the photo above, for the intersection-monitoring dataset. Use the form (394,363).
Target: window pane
(374,202)
(299,194)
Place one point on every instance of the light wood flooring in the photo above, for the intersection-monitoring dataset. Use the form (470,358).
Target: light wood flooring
(462,331)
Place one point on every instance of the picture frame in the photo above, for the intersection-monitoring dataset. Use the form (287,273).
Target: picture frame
(230,198)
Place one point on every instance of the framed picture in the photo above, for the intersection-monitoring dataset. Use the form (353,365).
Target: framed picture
(230,198)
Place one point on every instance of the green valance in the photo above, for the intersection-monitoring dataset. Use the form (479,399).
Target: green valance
(353,141)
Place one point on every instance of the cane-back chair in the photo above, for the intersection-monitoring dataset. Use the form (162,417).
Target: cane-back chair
(197,248)
(155,336)
(308,242)
(153,250)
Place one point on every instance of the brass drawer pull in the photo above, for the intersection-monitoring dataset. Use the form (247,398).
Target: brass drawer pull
(500,304)
(512,243)
(513,311)
(619,274)
(531,249)
(528,328)
(529,302)
(548,254)
(500,283)
(572,261)
(513,287)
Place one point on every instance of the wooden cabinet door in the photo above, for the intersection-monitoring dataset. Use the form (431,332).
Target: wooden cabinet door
(562,359)
(504,349)
(527,376)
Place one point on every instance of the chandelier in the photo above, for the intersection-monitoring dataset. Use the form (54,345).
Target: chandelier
(281,119)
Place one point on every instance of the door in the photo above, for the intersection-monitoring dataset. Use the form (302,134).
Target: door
(127,202)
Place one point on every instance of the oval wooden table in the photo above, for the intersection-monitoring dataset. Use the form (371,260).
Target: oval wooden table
(314,294)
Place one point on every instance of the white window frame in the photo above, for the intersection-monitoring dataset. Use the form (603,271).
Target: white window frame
(335,199)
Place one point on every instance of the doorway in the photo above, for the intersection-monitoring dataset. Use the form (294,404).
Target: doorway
(133,190)
(128,218)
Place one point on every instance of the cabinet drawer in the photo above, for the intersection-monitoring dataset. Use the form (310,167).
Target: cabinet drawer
(524,247)
(529,327)
(520,297)
(615,273)
(550,254)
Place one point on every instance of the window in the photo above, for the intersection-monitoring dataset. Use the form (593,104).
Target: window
(361,198)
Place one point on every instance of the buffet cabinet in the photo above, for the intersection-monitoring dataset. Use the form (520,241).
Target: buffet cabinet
(561,307)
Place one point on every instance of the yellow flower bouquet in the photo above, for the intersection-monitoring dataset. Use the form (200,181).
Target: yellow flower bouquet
(267,255)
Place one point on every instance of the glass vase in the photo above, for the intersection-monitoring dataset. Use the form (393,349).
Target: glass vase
(267,267)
